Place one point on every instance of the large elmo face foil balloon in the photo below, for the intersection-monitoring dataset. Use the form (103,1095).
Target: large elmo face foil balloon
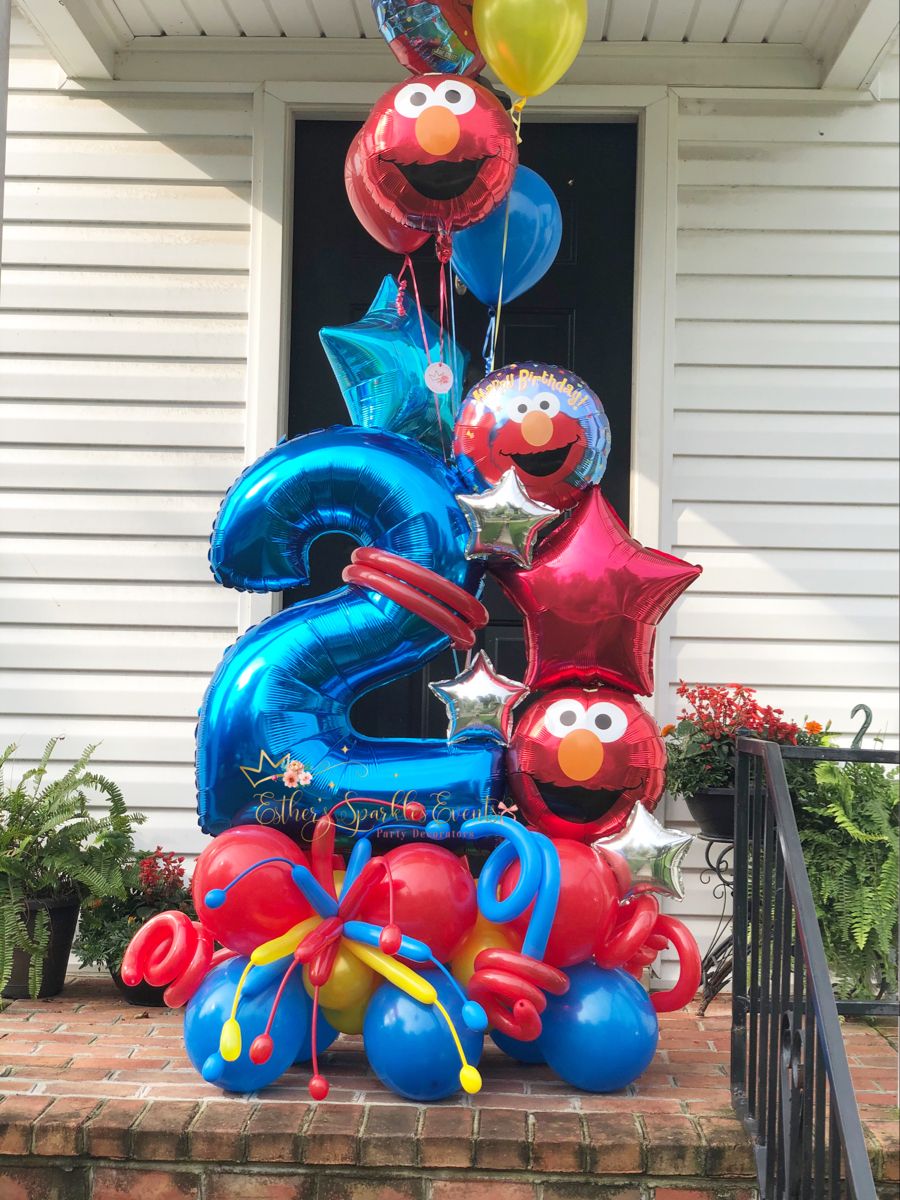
(581,759)
(436,154)
(544,422)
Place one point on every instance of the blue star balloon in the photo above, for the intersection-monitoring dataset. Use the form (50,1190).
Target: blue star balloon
(380,363)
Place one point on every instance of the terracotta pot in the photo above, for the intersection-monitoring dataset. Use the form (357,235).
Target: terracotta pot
(713,810)
(143,995)
(63,914)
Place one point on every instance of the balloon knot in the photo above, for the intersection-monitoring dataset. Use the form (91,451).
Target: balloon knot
(401,298)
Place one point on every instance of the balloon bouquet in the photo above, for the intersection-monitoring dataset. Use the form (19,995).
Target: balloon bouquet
(307,927)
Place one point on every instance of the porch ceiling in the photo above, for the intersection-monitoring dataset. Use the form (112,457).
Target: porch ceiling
(734,43)
(692,21)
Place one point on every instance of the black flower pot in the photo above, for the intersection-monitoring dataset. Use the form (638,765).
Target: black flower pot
(713,810)
(142,995)
(63,915)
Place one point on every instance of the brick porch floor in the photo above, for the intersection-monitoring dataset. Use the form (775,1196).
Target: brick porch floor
(97,1100)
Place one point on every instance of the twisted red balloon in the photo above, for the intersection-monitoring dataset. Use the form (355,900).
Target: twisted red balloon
(173,952)
(510,988)
(451,609)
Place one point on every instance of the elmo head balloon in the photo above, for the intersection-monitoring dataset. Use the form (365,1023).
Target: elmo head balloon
(544,422)
(436,154)
(580,759)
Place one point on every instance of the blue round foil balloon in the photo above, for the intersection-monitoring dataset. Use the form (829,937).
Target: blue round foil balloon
(275,744)
(602,1034)
(541,421)
(210,1008)
(534,238)
(409,1045)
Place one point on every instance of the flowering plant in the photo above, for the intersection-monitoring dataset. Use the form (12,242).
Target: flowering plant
(154,884)
(701,743)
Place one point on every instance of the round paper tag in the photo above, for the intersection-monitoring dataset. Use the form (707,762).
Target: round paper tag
(438,378)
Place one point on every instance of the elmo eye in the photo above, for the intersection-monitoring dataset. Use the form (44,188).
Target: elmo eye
(456,96)
(546,402)
(413,100)
(608,721)
(564,716)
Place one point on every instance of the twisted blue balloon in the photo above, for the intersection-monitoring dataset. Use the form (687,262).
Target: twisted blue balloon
(284,691)
(538,882)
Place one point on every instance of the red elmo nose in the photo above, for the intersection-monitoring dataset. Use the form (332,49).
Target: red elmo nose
(437,130)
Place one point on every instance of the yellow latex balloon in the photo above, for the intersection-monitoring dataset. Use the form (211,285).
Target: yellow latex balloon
(348,1020)
(484,936)
(470,1079)
(284,945)
(350,982)
(230,1041)
(397,973)
(530,44)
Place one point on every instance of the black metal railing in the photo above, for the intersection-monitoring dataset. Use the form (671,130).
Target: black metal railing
(790,1077)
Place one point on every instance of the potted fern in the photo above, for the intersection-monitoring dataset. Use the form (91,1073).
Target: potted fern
(850,818)
(154,883)
(54,851)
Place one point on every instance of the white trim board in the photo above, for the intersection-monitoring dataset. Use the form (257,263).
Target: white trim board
(210,59)
(278,106)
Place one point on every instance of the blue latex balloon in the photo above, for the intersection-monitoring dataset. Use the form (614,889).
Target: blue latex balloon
(535,235)
(380,363)
(210,1008)
(284,692)
(531,1053)
(409,1046)
(602,1034)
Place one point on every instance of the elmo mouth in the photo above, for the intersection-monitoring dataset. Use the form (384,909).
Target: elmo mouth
(543,462)
(579,805)
(440,180)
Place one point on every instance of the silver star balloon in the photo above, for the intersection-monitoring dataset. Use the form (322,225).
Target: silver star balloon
(480,702)
(504,521)
(653,853)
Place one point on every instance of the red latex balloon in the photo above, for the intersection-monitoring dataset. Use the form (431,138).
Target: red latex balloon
(690,969)
(434,898)
(436,154)
(593,599)
(581,759)
(438,36)
(376,222)
(586,894)
(264,905)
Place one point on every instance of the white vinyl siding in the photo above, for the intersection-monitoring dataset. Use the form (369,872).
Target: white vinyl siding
(123,310)
(783,479)
(123,378)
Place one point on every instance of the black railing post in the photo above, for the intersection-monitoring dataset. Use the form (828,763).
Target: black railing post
(790,1076)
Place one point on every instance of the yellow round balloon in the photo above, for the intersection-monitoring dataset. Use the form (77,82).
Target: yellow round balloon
(348,1020)
(484,936)
(351,981)
(530,44)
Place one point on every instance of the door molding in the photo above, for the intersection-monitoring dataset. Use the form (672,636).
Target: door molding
(278,105)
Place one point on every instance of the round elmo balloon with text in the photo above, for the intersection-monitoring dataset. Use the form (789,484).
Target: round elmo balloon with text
(430,35)
(436,154)
(580,759)
(542,421)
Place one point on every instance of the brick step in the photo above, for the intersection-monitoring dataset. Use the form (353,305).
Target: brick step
(96,1149)
(99,1102)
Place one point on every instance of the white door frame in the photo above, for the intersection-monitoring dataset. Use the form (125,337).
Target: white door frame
(276,108)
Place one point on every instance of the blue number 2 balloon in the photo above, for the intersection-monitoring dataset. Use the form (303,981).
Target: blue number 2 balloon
(275,744)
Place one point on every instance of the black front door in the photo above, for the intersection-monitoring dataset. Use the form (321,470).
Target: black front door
(579,317)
